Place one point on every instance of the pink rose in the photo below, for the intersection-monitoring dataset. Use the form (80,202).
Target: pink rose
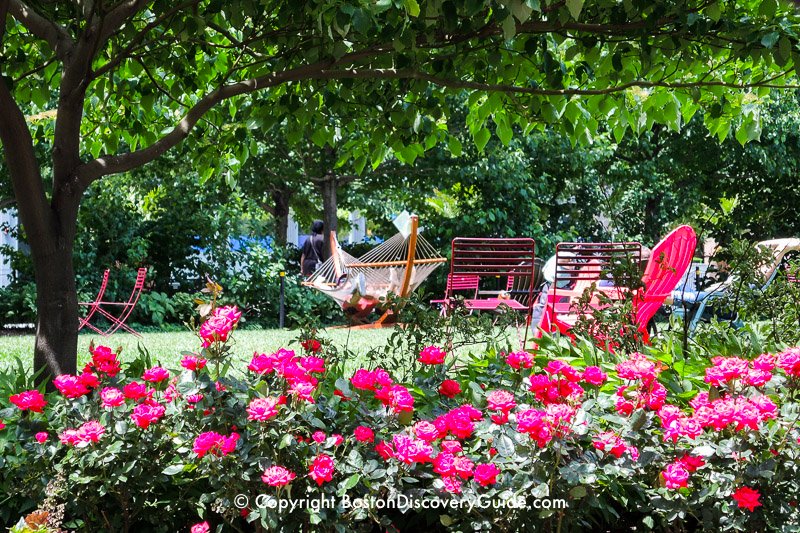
(675,475)
(41,437)
(452,484)
(202,527)
(145,414)
(262,409)
(519,360)
(321,469)
(31,400)
(364,434)
(486,474)
(432,355)
(111,397)
(410,450)
(156,374)
(70,386)
(363,379)
(134,390)
(214,443)
(426,431)
(500,400)
(594,376)
(193,363)
(277,476)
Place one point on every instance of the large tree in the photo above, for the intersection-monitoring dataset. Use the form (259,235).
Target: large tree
(130,79)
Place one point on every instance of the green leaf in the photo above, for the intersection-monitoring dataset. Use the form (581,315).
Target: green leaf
(320,137)
(352,481)
(714,11)
(521,10)
(171,470)
(578,492)
(454,145)
(503,129)
(541,490)
(770,39)
(504,446)
(616,61)
(550,113)
(741,134)
(481,137)
(768,8)
(575,7)
(509,28)
(412,7)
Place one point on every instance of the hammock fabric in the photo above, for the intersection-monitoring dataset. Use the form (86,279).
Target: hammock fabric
(359,284)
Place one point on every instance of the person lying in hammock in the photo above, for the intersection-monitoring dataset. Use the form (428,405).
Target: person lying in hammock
(358,308)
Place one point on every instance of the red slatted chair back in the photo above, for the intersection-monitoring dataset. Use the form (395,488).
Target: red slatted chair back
(514,258)
(580,264)
(141,274)
(462,283)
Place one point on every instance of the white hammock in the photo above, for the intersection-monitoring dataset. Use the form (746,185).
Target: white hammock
(359,284)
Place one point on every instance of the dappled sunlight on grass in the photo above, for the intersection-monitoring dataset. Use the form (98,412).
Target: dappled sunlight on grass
(166,347)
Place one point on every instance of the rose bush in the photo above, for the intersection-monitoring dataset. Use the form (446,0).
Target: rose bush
(651,440)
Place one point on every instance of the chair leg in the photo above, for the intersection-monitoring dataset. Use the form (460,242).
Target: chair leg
(118,322)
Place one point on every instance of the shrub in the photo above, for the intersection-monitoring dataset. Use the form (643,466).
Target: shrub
(628,439)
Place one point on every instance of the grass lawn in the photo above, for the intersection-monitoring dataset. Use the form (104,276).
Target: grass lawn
(166,347)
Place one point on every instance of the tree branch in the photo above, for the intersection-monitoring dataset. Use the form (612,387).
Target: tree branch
(88,172)
(34,211)
(112,164)
(137,40)
(478,86)
(56,36)
(117,17)
(3,15)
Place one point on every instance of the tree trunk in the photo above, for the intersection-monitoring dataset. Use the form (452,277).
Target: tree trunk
(50,232)
(57,310)
(329,208)
(280,199)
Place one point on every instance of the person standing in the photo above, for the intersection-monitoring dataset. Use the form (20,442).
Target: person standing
(311,257)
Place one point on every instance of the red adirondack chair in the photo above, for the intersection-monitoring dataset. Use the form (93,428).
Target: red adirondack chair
(667,265)
(124,308)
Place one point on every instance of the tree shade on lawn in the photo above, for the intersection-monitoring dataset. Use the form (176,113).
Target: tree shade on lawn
(130,80)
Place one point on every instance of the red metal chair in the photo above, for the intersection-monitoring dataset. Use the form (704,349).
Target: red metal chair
(126,308)
(94,305)
(578,266)
(477,258)
(458,283)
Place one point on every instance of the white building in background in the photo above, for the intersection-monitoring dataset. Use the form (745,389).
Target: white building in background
(357,233)
(8,223)
(358,227)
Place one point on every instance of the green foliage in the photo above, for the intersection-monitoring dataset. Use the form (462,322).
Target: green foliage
(151,478)
(570,65)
